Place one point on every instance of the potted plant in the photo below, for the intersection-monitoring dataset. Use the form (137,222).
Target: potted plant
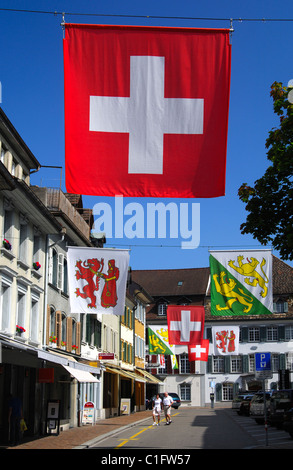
(36,265)
(63,345)
(19,330)
(7,244)
(53,341)
(74,348)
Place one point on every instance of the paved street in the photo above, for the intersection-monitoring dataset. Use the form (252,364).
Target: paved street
(203,428)
(192,428)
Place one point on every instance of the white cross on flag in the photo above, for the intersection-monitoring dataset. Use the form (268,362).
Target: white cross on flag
(199,352)
(146,110)
(185,324)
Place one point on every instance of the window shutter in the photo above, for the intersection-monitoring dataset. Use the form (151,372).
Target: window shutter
(281,333)
(244,334)
(245,363)
(218,392)
(227,364)
(282,362)
(69,333)
(263,334)
(58,327)
(210,365)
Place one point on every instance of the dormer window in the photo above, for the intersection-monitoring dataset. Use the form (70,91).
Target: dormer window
(162,309)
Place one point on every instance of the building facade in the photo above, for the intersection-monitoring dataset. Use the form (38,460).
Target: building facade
(222,376)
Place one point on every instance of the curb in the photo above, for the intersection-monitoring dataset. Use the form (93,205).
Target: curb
(90,443)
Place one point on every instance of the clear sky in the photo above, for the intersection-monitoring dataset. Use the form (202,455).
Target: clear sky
(31,76)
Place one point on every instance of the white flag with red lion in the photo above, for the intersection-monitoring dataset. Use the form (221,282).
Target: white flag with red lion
(97,280)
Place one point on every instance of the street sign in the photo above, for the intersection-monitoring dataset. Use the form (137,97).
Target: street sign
(263,366)
(262,361)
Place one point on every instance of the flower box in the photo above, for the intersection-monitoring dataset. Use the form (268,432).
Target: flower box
(6,244)
(19,330)
(36,266)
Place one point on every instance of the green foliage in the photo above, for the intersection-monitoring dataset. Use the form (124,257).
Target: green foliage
(270,201)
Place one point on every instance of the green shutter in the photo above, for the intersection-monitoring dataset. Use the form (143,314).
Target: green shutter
(263,334)
(218,392)
(245,363)
(244,334)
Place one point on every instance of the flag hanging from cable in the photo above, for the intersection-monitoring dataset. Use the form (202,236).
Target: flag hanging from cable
(97,279)
(241,282)
(185,324)
(199,352)
(146,110)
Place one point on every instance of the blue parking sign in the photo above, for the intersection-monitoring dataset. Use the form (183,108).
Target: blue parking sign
(262,361)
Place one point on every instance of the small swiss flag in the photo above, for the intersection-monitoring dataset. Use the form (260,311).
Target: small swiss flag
(199,352)
(185,324)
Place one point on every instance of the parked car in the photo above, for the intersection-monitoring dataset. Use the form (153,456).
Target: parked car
(244,407)
(288,422)
(257,411)
(175,398)
(281,402)
(239,399)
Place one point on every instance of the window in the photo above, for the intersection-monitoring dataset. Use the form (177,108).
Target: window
(251,363)
(184,364)
(53,267)
(280,306)
(34,320)
(8,224)
(52,322)
(5,303)
(275,362)
(227,391)
(288,333)
(272,333)
(236,364)
(162,309)
(289,361)
(253,334)
(185,392)
(218,364)
(20,314)
(22,254)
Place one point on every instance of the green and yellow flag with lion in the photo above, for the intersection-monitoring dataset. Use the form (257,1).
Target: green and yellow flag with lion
(241,282)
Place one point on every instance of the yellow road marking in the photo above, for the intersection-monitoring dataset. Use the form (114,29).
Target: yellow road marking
(133,438)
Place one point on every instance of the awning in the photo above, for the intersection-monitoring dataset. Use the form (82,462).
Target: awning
(81,375)
(149,377)
(125,373)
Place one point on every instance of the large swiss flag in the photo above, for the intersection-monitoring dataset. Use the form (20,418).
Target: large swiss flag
(146,110)
(185,324)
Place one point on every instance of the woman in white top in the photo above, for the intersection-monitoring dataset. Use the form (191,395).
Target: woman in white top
(157,406)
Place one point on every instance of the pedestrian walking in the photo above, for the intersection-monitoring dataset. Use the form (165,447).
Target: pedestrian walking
(167,402)
(157,407)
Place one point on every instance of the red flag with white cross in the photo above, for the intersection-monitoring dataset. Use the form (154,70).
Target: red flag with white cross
(146,110)
(199,352)
(185,324)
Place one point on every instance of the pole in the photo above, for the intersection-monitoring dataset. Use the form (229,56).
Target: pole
(265,412)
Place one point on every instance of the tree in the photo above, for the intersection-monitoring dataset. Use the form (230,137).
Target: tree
(270,201)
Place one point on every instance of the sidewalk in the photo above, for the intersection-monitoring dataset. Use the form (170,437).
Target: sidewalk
(79,437)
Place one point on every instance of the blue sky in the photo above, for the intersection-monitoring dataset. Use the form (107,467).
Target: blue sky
(31,75)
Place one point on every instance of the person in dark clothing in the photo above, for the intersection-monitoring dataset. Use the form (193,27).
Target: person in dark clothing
(14,417)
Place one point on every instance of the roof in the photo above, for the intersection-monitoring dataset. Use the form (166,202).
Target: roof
(170,282)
